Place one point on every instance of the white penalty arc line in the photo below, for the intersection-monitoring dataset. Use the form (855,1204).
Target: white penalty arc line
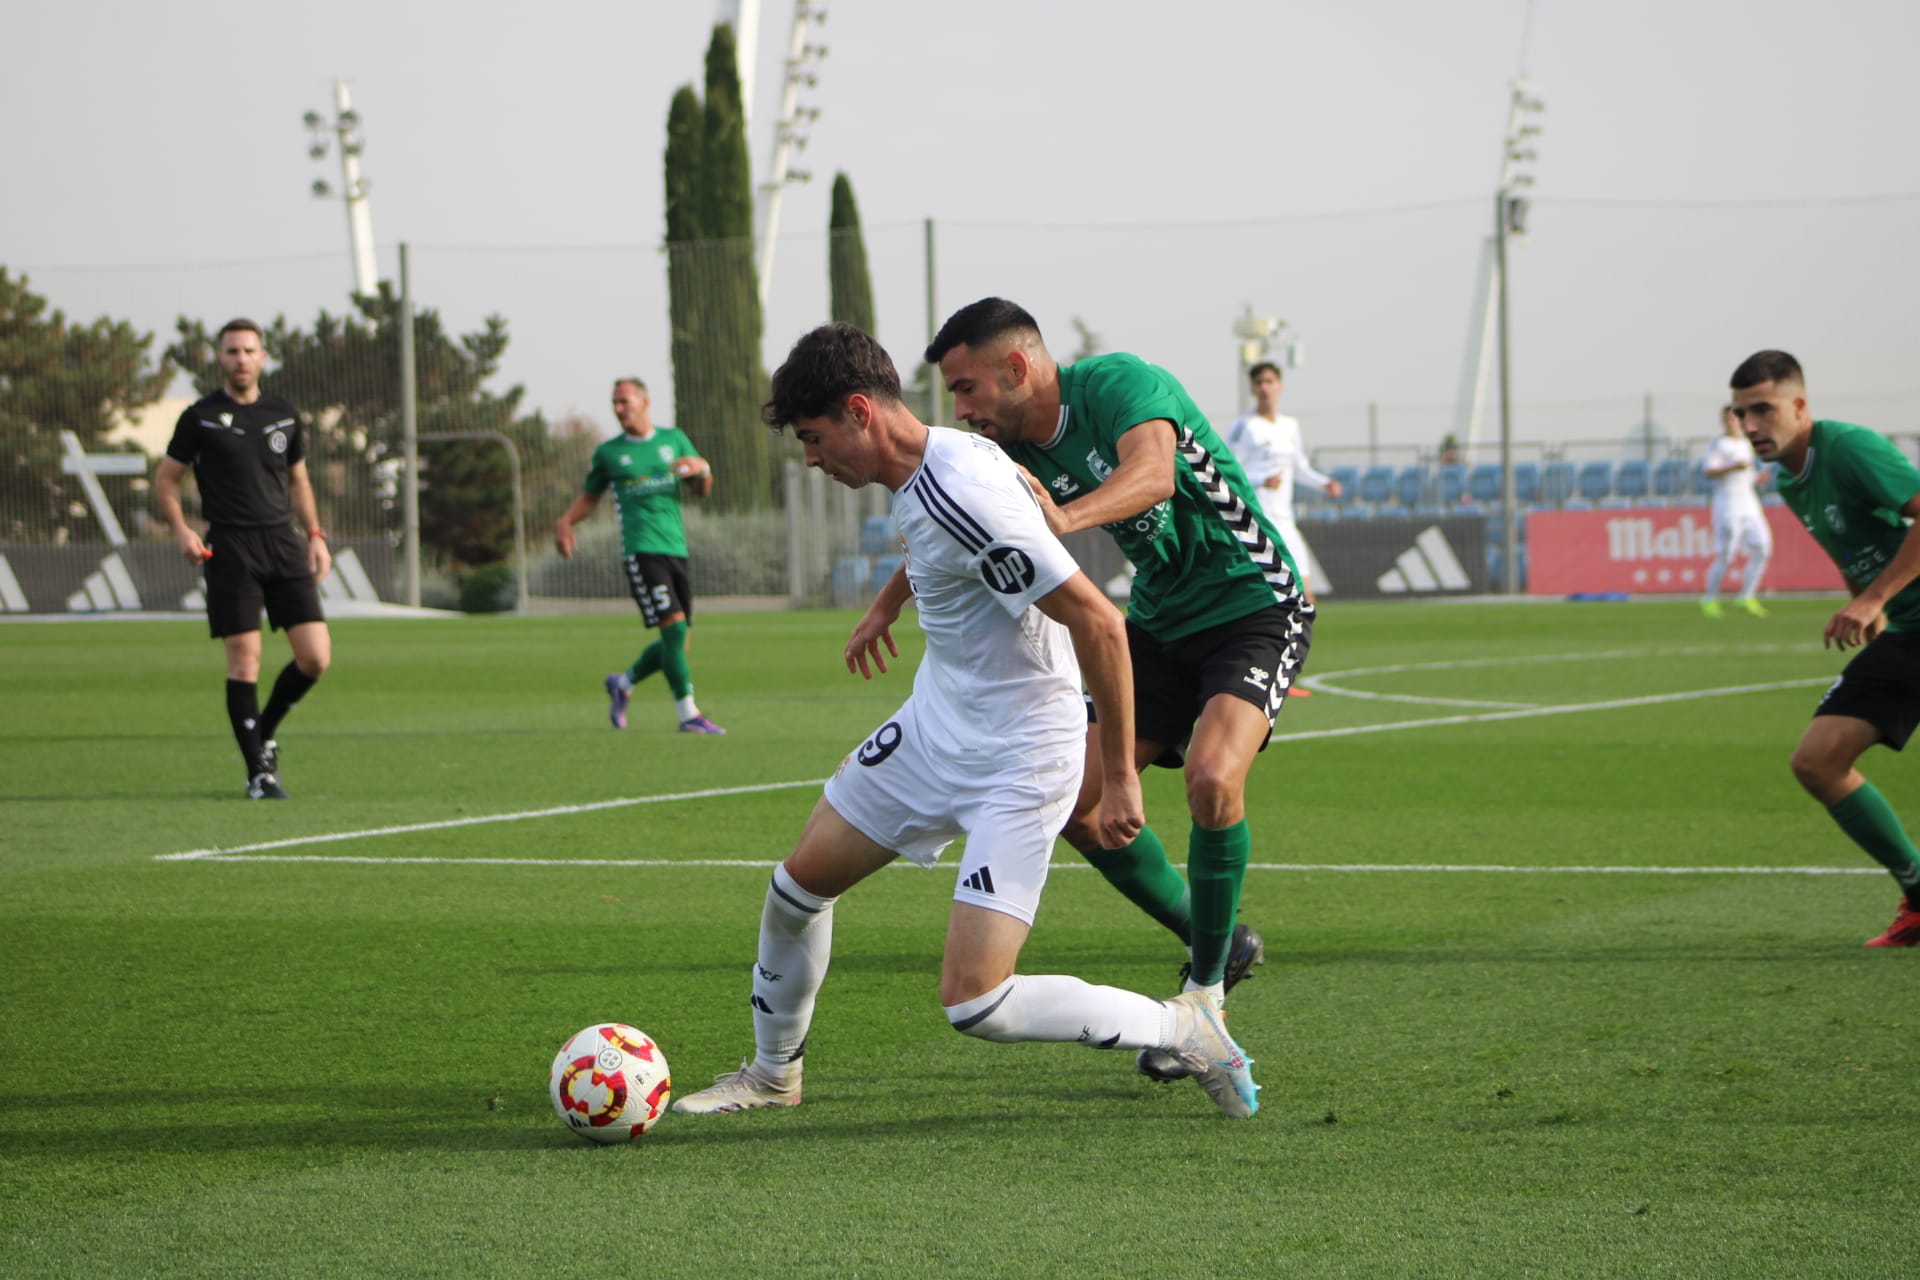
(237,853)
(1337,867)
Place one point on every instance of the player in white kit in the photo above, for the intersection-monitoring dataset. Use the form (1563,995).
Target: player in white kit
(1739,521)
(1271,452)
(990,745)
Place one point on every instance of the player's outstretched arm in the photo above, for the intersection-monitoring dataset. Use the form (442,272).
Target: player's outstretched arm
(1143,478)
(875,627)
(1100,641)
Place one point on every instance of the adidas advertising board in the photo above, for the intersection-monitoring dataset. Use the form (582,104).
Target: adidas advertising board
(1395,557)
(152,577)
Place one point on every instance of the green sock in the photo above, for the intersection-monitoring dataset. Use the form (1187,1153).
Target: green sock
(1871,823)
(673,659)
(1216,868)
(1142,872)
(646,664)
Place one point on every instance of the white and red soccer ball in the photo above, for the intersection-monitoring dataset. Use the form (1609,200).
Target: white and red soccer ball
(610,1083)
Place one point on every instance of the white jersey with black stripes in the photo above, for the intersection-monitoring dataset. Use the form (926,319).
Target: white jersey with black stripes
(999,676)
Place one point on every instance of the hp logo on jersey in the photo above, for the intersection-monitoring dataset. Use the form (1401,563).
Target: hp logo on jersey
(1007,570)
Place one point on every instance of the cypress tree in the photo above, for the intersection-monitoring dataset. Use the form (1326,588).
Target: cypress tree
(850,286)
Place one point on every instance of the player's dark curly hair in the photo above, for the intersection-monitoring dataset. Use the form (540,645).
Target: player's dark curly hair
(826,366)
(979,323)
(1766,366)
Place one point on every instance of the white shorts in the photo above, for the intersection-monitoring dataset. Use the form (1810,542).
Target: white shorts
(915,801)
(1750,533)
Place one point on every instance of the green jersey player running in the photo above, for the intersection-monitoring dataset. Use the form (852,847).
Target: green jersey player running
(644,467)
(1859,497)
(1217,624)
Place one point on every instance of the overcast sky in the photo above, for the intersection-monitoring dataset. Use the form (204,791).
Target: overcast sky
(1715,176)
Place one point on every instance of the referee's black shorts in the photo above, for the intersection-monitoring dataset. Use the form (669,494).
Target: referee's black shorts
(1881,686)
(255,569)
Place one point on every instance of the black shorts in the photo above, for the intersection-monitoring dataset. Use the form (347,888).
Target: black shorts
(1881,686)
(254,569)
(659,586)
(1255,658)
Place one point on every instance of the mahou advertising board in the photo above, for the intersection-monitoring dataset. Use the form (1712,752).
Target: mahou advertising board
(1660,549)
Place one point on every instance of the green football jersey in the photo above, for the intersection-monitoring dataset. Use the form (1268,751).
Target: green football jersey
(646,493)
(1849,496)
(1205,556)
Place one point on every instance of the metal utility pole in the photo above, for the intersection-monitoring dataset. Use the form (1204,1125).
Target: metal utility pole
(789,130)
(1510,222)
(409,437)
(343,132)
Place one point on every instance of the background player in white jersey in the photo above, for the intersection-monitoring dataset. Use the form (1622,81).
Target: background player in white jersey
(990,745)
(1274,456)
(1739,521)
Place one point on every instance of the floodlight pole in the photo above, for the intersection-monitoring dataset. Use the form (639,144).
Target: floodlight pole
(409,436)
(347,140)
(1509,220)
(789,131)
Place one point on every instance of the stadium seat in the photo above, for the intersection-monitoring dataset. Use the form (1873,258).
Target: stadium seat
(1376,486)
(1559,480)
(1410,486)
(1526,483)
(1349,478)
(1697,482)
(1596,481)
(1483,483)
(1670,479)
(876,536)
(1453,484)
(1630,481)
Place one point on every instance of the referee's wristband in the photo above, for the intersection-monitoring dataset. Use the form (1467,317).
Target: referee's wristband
(316,533)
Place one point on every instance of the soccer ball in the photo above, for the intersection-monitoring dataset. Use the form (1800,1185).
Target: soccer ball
(610,1083)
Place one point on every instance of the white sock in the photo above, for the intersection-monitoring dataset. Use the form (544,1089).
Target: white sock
(796,939)
(687,708)
(1055,1008)
(1216,993)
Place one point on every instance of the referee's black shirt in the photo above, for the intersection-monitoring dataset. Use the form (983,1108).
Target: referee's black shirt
(240,454)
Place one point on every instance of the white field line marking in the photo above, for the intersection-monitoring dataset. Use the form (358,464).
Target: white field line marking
(1324,683)
(558,811)
(231,854)
(1528,713)
(753,865)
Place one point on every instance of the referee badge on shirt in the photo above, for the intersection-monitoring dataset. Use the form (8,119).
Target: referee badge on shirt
(277,440)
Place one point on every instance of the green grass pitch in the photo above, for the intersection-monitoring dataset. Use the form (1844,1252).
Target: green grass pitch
(324,1050)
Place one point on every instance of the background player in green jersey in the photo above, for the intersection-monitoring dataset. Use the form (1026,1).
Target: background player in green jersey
(1217,624)
(1859,497)
(646,466)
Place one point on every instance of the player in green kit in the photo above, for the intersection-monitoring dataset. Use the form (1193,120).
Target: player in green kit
(1217,624)
(1858,496)
(645,467)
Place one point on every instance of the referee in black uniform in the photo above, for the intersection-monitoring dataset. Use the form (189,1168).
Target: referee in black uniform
(249,460)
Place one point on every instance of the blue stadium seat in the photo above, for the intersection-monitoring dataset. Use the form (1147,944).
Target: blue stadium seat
(1453,484)
(876,536)
(1596,481)
(1630,481)
(1670,478)
(1483,483)
(1559,480)
(1410,486)
(1697,481)
(1376,486)
(1349,478)
(1526,483)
